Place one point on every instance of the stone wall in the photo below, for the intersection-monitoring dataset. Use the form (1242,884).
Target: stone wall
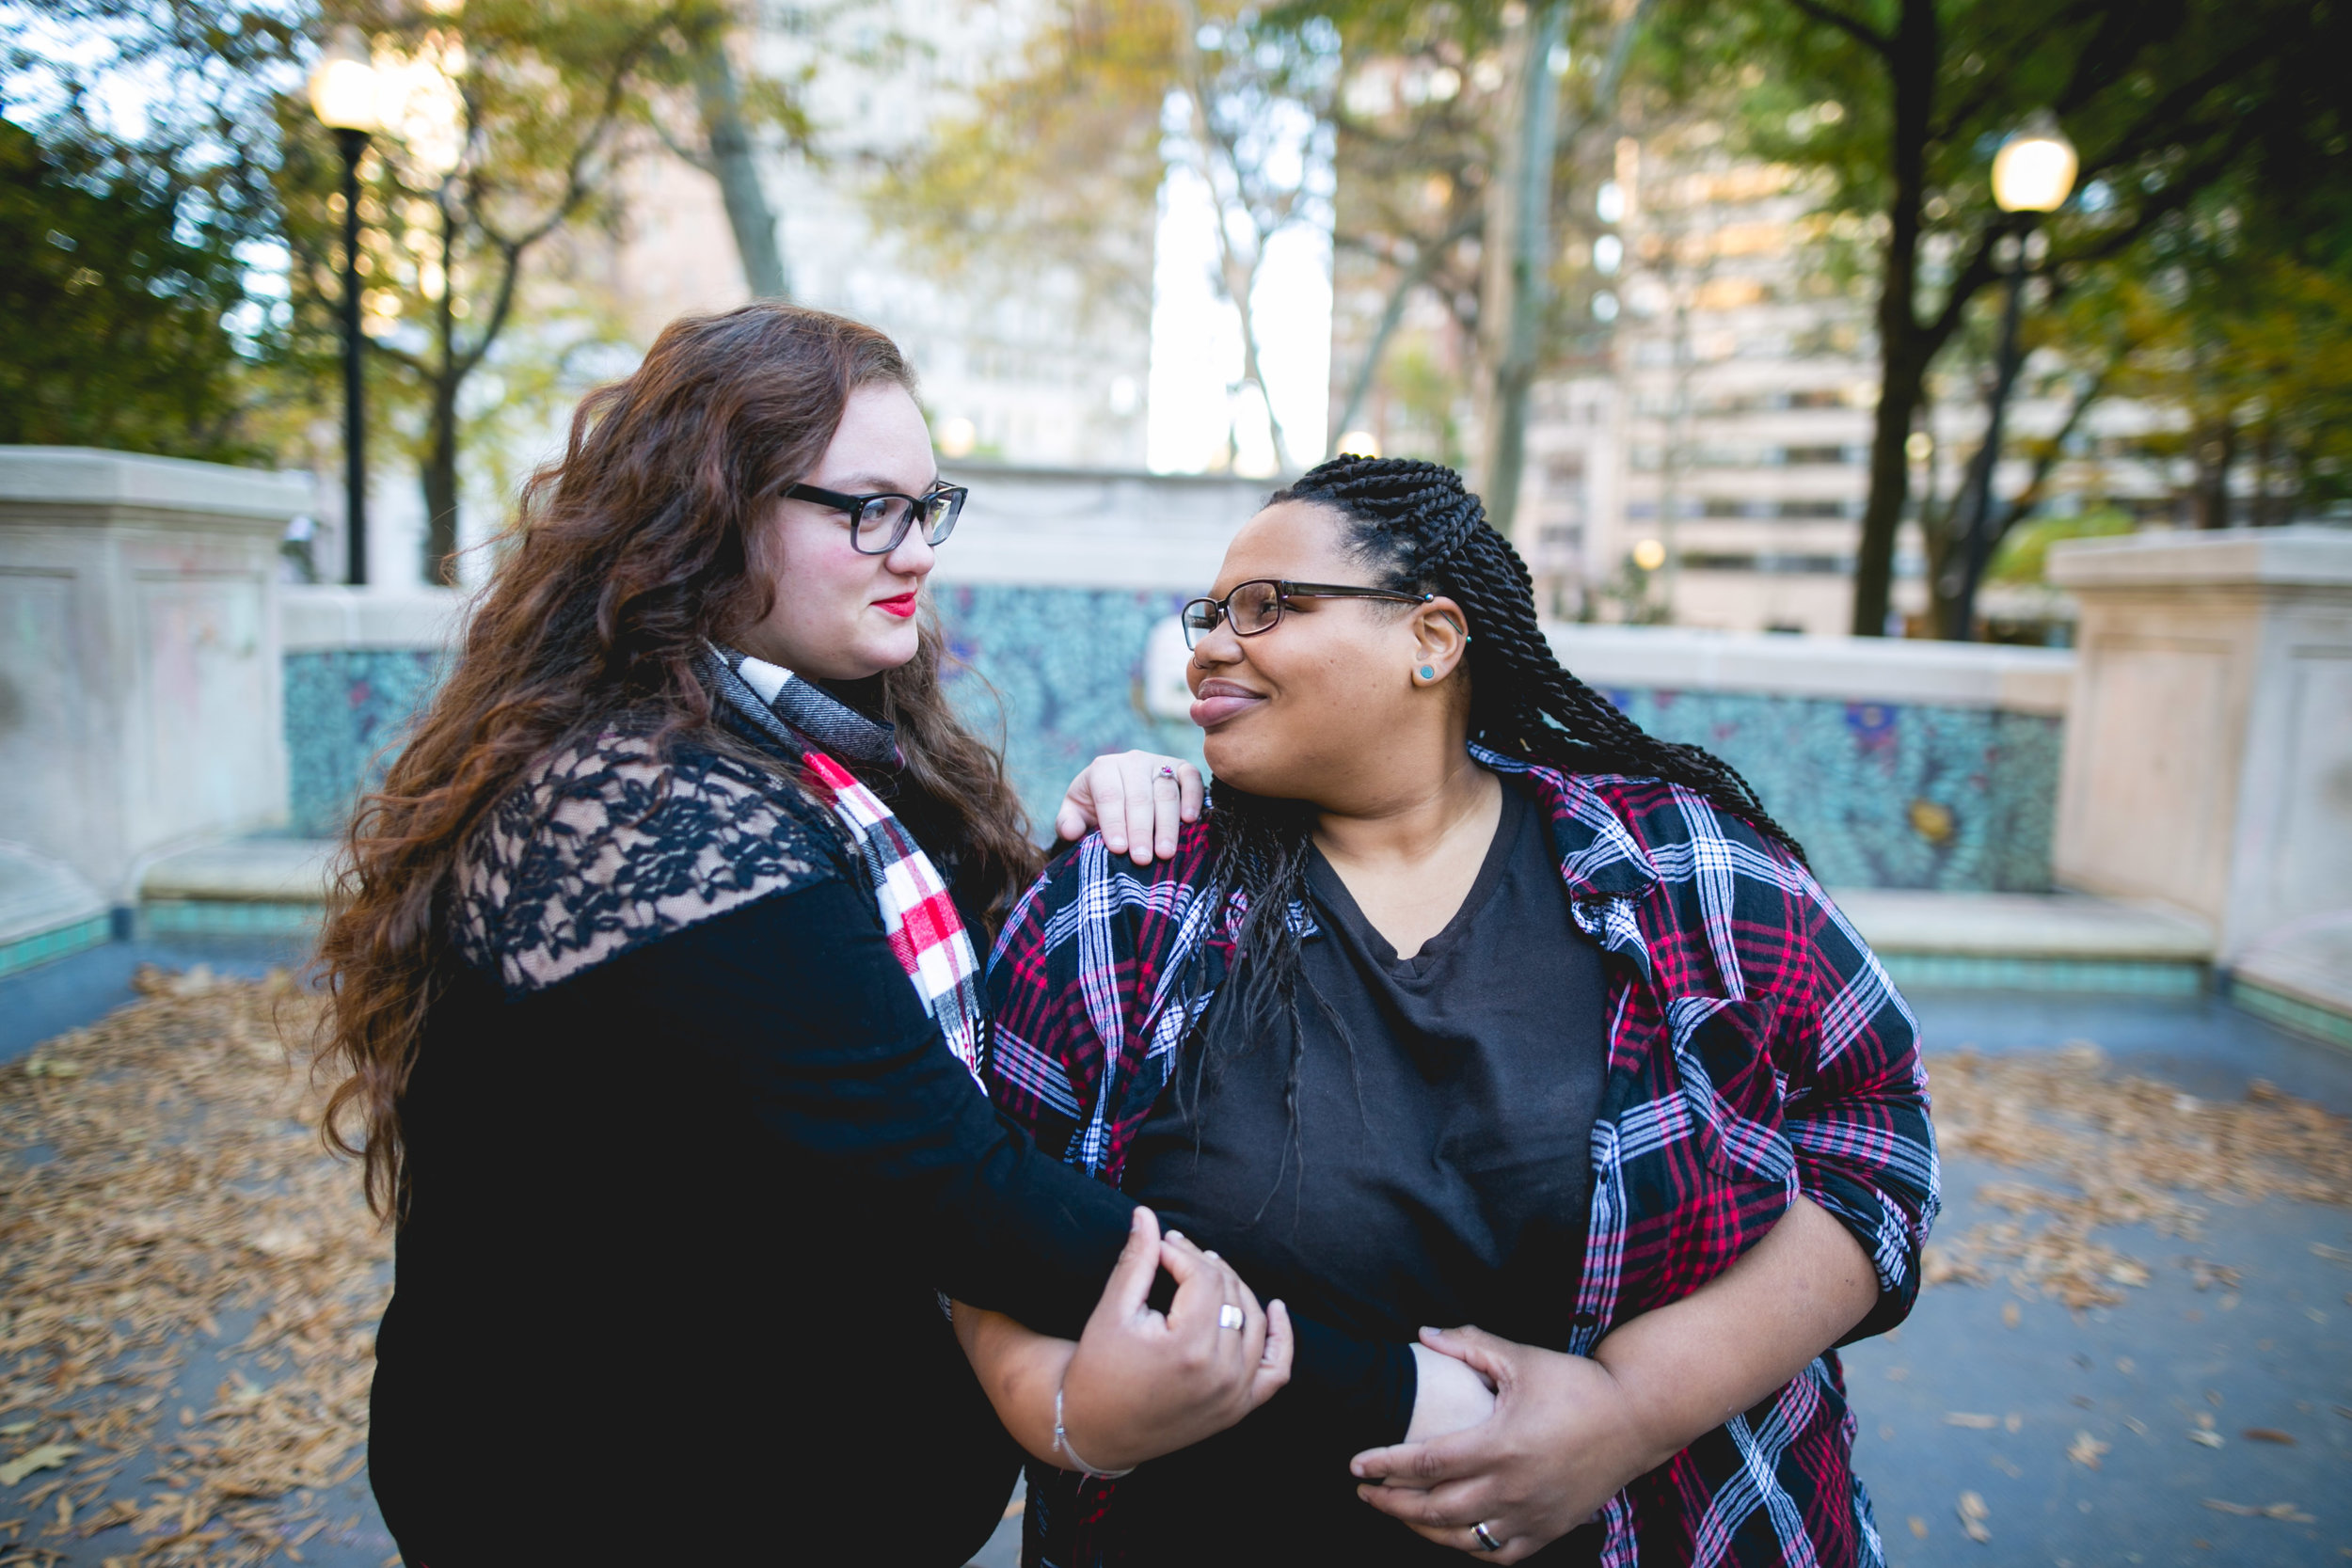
(2211,764)
(1898,765)
(140,661)
(359,665)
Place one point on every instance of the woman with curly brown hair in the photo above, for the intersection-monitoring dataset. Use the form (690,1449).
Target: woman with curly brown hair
(654,998)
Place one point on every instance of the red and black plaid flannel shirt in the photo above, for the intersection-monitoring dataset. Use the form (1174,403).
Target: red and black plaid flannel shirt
(1756,1050)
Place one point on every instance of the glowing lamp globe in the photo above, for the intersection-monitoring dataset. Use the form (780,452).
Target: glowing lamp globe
(2034,170)
(343,86)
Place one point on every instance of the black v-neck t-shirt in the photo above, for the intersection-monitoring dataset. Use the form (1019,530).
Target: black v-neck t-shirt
(1437,1172)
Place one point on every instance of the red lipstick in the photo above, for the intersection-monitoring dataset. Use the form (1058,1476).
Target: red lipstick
(903,607)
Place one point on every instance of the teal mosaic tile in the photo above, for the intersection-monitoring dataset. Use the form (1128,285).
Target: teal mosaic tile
(1911,796)
(1060,677)
(38,948)
(225,917)
(2291,1012)
(1987,971)
(344,709)
(1882,795)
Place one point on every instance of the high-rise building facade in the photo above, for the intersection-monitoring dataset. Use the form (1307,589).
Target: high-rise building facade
(1716,475)
(1018,362)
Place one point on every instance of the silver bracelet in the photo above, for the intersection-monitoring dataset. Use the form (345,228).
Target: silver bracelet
(1062,1446)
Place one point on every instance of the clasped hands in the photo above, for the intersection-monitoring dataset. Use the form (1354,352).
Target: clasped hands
(1556,1437)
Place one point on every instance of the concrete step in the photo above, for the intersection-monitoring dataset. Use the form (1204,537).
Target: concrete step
(2059,941)
(2031,942)
(2301,977)
(254,886)
(46,910)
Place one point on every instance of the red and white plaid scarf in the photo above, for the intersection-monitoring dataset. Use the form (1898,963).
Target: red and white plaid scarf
(918,913)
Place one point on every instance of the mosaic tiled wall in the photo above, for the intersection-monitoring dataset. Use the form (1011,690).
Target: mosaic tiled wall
(343,707)
(1067,669)
(1911,796)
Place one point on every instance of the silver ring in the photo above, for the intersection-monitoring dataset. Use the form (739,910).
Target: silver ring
(1229,1316)
(1166,773)
(1486,1542)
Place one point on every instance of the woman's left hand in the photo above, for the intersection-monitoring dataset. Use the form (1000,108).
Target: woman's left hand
(1139,800)
(1564,1439)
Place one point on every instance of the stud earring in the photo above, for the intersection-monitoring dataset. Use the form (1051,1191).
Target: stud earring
(1428,673)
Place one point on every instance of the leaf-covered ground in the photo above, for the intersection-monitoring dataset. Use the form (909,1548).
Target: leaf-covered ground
(2133,1348)
(188,1291)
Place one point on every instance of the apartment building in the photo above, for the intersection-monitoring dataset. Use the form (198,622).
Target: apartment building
(1018,364)
(1715,475)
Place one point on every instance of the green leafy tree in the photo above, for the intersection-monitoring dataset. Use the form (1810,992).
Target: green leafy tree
(509,121)
(505,134)
(115,300)
(1471,142)
(1058,155)
(719,117)
(2165,101)
(134,309)
(2242,321)
(1064,150)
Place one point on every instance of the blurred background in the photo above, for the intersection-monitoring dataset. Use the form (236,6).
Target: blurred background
(1941,408)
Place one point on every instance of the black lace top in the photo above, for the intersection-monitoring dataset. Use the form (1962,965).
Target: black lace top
(603,846)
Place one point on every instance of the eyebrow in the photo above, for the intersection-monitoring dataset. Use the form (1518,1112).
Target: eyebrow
(856,484)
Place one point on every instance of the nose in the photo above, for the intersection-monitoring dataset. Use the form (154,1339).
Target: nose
(1217,645)
(913,556)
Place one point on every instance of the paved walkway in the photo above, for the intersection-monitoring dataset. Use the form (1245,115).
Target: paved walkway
(2118,1435)
(1987,1390)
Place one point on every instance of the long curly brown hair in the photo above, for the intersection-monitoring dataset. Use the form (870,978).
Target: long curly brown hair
(624,558)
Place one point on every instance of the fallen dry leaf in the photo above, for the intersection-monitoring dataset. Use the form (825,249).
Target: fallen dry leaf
(2211,1439)
(49,1456)
(1972,1517)
(2125,1151)
(2267,1435)
(2287,1512)
(2085,1451)
(180,1181)
(1918,1527)
(1970,1418)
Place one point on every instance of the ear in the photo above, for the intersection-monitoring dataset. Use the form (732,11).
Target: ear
(1440,642)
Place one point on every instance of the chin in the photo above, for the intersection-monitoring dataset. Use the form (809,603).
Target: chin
(879,654)
(1230,760)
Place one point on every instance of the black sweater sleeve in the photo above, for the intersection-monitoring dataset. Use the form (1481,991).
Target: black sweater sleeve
(806,1009)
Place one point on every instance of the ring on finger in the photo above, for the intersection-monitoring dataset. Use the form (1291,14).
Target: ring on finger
(1485,1537)
(1230,1316)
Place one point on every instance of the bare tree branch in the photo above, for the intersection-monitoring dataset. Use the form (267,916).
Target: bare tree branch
(1853,27)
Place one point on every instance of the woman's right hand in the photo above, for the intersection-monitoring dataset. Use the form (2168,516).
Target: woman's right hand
(1143,1384)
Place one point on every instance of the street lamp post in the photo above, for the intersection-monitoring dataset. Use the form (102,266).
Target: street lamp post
(342,94)
(2033,173)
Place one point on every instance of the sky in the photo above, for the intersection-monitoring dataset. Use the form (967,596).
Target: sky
(1197,401)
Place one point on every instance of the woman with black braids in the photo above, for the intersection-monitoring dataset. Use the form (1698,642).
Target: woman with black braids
(1471,1003)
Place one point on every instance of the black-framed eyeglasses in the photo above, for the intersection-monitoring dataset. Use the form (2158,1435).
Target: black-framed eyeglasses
(1258,605)
(879,522)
